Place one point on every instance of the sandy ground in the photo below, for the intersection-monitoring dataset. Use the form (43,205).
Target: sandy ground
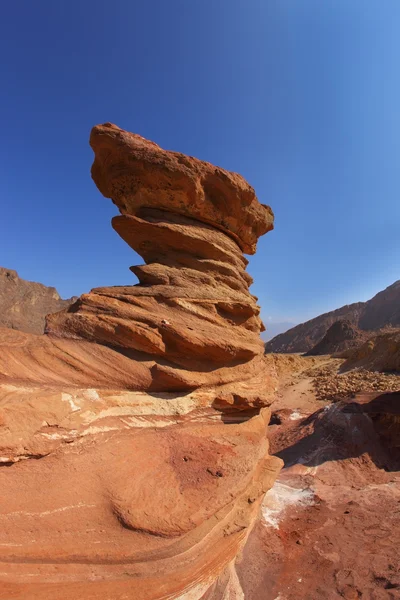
(296,390)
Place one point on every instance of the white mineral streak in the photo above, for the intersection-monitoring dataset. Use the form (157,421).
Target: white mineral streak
(279,498)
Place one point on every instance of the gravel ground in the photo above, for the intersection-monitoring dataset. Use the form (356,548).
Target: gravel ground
(329,384)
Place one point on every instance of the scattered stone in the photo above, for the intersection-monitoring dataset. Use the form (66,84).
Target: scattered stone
(332,384)
(332,519)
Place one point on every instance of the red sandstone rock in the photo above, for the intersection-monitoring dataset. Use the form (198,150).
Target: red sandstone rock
(133,434)
(132,513)
(330,526)
(191,321)
(136,174)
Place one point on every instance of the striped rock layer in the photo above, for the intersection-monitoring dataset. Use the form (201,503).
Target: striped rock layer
(146,404)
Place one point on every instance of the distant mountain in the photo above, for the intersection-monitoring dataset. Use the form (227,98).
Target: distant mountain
(273,329)
(383,310)
(24,304)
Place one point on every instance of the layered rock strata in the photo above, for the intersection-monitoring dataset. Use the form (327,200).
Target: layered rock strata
(191,321)
(147,405)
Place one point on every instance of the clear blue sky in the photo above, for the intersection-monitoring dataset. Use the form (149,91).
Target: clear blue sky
(302,97)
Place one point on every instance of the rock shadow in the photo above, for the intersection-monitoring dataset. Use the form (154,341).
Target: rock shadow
(368,424)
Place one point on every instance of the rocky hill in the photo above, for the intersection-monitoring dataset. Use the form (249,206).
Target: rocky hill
(383,310)
(381,353)
(25,304)
(341,336)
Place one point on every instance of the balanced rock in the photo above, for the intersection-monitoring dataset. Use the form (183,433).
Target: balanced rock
(145,406)
(191,321)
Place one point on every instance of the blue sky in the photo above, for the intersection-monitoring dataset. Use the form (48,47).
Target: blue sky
(301,97)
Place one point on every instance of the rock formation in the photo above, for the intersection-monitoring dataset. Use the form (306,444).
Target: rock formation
(147,405)
(25,304)
(379,313)
(191,321)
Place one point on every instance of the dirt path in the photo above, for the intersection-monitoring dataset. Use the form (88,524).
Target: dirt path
(296,390)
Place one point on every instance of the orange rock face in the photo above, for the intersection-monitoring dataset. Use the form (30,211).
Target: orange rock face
(191,321)
(145,406)
(137,174)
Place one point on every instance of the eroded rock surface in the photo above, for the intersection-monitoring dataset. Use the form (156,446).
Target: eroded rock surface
(133,434)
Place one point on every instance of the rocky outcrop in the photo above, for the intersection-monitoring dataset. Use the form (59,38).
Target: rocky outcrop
(25,304)
(146,406)
(126,511)
(380,353)
(341,336)
(191,321)
(379,313)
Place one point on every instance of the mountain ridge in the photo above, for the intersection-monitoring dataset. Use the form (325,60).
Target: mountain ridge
(382,310)
(24,304)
